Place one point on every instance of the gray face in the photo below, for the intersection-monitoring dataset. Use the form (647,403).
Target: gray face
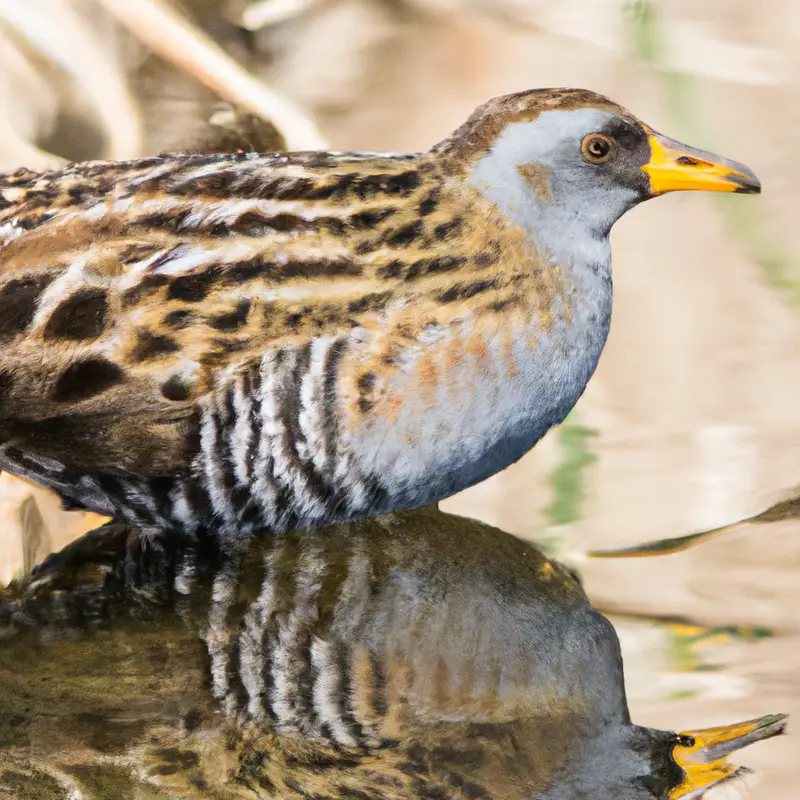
(566,173)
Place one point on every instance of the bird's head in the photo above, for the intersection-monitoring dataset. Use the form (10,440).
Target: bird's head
(576,155)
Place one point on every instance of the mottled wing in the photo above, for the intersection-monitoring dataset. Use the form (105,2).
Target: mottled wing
(128,289)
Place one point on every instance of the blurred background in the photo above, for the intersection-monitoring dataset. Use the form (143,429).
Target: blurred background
(693,418)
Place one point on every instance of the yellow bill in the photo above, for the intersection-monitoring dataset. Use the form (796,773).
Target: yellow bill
(675,167)
(702,754)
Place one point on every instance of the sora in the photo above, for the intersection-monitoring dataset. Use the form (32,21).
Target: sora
(256,342)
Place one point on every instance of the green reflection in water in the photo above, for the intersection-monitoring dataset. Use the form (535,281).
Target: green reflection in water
(568,478)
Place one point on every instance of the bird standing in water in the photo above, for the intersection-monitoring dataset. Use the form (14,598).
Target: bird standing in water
(251,341)
(414,656)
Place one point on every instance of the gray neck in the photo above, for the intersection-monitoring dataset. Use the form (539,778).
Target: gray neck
(517,178)
(576,243)
(567,225)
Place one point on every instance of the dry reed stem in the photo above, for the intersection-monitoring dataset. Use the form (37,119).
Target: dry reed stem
(18,151)
(166,33)
(71,45)
(264,13)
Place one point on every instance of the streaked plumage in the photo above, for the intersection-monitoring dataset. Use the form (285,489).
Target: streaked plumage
(266,341)
(417,656)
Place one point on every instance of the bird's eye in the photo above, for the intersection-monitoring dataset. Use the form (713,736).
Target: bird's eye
(597,148)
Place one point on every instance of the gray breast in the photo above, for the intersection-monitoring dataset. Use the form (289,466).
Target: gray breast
(481,421)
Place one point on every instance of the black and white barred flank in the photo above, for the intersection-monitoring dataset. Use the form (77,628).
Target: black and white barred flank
(269,455)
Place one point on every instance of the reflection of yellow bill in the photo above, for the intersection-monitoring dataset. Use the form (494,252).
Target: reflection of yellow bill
(785,509)
(676,167)
(702,754)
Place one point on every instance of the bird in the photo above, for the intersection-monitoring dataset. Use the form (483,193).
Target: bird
(407,656)
(256,342)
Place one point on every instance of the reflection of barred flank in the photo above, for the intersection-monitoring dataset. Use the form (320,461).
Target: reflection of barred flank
(267,657)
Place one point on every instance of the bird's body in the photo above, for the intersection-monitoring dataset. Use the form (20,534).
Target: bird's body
(408,657)
(269,341)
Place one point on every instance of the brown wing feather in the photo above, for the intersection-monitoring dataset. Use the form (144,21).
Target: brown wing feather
(125,289)
(128,289)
